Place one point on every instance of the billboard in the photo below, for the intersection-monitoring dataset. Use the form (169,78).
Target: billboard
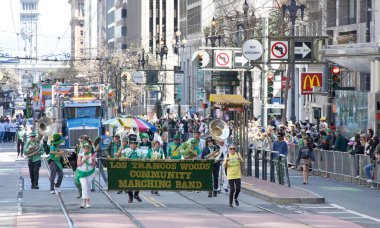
(308,81)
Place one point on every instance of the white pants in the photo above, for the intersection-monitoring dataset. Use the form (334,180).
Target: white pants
(85,182)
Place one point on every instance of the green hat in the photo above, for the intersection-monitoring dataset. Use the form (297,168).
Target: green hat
(33,134)
(56,139)
(86,145)
(144,136)
(177,137)
(193,141)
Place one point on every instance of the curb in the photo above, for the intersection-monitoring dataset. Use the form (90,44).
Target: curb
(284,200)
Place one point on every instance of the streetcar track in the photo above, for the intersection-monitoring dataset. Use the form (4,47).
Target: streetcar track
(60,200)
(212,210)
(133,219)
(273,212)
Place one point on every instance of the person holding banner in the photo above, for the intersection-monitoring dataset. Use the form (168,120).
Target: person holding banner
(145,145)
(122,150)
(174,148)
(113,147)
(211,151)
(233,163)
(133,153)
(85,172)
(155,153)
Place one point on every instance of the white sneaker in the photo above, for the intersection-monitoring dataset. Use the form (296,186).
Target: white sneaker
(370,181)
(59,190)
(88,206)
(52,192)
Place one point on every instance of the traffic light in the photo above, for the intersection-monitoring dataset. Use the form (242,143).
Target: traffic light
(200,59)
(270,85)
(335,79)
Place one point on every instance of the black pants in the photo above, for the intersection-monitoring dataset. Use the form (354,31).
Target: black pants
(130,193)
(34,171)
(235,185)
(20,147)
(53,172)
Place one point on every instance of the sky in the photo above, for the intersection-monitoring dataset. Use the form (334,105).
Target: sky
(54,22)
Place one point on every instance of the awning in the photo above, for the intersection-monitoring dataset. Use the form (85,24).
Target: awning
(228,99)
(356,57)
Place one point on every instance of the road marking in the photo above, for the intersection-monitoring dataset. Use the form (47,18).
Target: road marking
(351,217)
(342,189)
(150,201)
(155,200)
(333,212)
(356,213)
(318,207)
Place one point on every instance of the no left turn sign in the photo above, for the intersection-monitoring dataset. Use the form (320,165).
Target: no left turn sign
(223,58)
(279,50)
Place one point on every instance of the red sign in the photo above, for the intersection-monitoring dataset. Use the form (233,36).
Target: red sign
(283,83)
(309,80)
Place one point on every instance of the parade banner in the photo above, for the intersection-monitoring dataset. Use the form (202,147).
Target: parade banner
(132,174)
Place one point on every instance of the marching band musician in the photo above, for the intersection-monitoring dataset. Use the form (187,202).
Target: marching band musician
(155,153)
(122,153)
(174,148)
(145,144)
(85,172)
(224,151)
(211,148)
(233,163)
(133,153)
(55,163)
(33,151)
(113,147)
(197,137)
(194,152)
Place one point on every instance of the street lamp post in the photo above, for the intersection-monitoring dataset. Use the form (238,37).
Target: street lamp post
(293,8)
(213,37)
(162,51)
(143,59)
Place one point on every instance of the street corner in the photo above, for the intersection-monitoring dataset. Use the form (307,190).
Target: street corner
(277,193)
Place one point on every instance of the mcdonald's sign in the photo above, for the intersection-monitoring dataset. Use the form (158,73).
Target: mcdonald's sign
(309,80)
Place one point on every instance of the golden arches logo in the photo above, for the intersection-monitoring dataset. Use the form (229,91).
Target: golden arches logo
(311,81)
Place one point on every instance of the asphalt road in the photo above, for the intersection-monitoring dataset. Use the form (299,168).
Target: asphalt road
(22,206)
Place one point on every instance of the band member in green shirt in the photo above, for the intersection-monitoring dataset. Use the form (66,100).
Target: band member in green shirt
(33,150)
(155,153)
(55,163)
(145,144)
(133,153)
(174,148)
(20,140)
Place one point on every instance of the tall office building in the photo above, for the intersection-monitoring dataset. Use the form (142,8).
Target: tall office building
(77,26)
(29,16)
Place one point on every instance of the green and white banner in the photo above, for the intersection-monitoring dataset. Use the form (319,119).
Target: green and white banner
(132,174)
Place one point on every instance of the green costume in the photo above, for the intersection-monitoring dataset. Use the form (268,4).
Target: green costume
(174,150)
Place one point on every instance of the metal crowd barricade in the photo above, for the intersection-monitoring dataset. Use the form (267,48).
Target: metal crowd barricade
(338,165)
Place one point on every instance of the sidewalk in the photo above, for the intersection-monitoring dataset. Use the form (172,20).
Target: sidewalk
(275,192)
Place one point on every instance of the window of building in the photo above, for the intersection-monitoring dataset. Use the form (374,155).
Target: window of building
(124,31)
(352,11)
(111,17)
(81,32)
(124,13)
(124,46)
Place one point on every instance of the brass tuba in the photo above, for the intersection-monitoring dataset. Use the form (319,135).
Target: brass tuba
(45,126)
(219,130)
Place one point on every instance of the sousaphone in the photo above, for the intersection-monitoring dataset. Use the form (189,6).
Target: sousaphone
(219,130)
(45,126)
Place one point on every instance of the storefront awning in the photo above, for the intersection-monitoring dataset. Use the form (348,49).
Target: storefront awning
(228,99)
(356,57)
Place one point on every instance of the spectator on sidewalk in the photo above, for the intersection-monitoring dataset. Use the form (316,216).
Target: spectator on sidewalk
(20,140)
(2,130)
(340,142)
(375,160)
(280,145)
(13,126)
(304,158)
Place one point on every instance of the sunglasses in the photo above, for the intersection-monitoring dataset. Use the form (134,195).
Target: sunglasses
(232,148)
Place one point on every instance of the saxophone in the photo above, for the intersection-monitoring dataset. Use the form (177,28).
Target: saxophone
(187,152)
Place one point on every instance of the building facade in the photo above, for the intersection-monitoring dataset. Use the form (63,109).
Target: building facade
(77,29)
